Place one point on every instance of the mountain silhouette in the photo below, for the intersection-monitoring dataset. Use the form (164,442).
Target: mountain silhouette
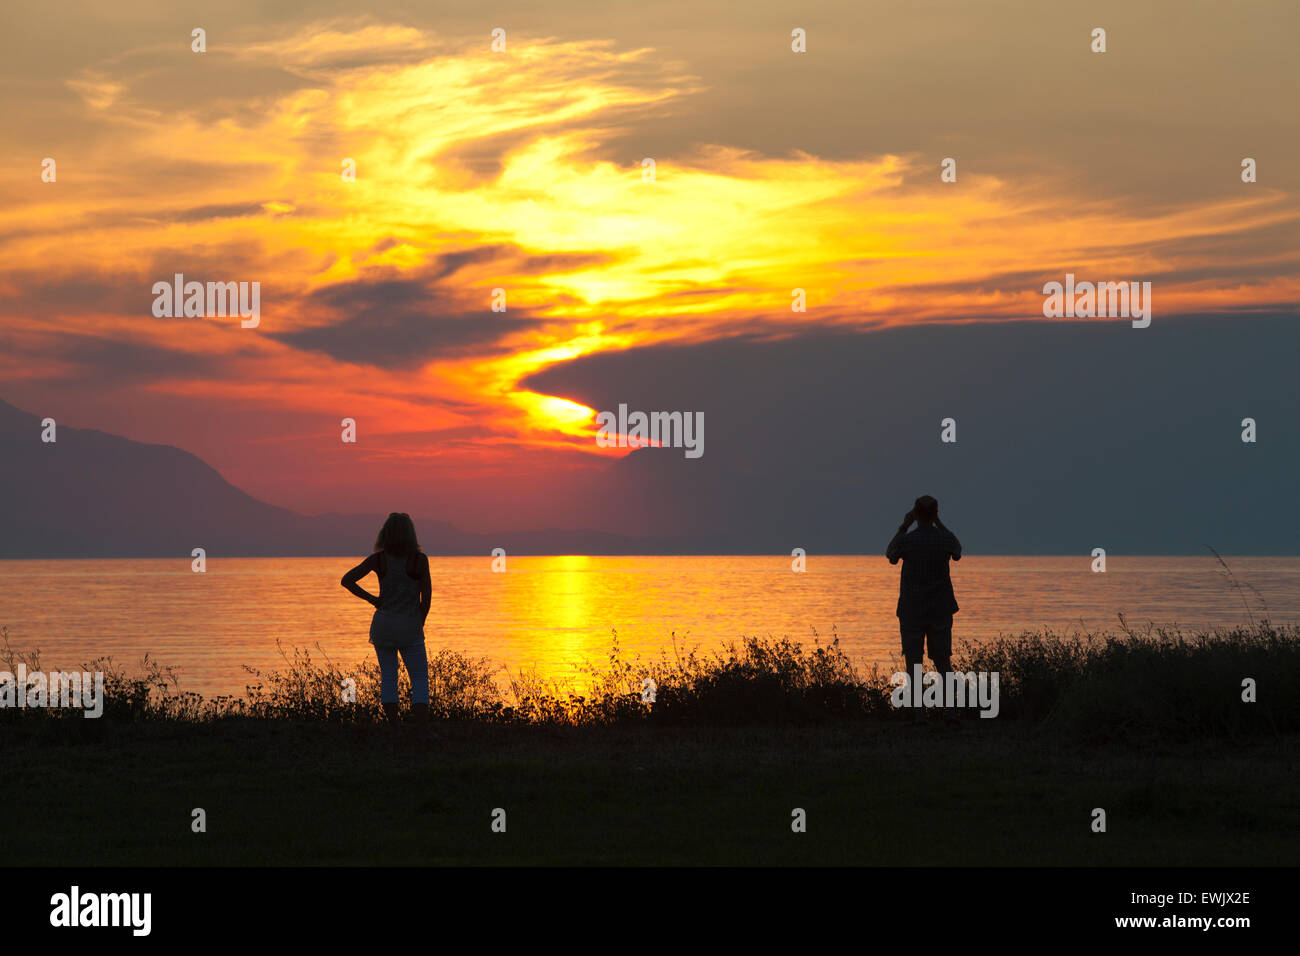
(90,494)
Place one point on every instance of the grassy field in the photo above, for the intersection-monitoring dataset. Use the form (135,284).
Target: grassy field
(1153,728)
(284,792)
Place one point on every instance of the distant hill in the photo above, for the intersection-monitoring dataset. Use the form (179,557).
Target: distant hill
(94,495)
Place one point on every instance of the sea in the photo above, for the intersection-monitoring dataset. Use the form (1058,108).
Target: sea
(548,615)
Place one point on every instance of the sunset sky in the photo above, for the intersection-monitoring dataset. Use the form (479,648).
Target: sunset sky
(523,170)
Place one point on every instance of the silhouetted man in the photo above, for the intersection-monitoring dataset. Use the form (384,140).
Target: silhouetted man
(926,603)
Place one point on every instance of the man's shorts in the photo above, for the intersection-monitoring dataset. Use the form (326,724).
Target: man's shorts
(937,631)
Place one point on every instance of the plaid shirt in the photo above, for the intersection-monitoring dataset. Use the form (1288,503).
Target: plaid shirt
(925,589)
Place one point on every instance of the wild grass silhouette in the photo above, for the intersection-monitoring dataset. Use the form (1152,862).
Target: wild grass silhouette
(1098,687)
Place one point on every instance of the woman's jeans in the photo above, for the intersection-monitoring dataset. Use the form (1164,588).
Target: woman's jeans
(417,666)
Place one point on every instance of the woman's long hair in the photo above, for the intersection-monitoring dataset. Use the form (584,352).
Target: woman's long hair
(397,536)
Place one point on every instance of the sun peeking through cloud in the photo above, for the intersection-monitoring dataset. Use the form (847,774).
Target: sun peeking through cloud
(558,414)
(478,171)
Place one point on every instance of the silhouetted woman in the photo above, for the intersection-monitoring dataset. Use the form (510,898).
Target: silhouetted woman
(405,594)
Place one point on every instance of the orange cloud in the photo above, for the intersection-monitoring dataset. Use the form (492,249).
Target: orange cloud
(458,148)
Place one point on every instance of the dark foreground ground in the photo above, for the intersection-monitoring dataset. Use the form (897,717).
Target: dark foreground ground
(875,793)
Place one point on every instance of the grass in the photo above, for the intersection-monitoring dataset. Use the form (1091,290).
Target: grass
(1160,683)
(1148,725)
(304,793)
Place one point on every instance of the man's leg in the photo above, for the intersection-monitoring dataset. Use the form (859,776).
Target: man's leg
(913,635)
(939,639)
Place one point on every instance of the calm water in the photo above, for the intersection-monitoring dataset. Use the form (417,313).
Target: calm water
(553,611)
